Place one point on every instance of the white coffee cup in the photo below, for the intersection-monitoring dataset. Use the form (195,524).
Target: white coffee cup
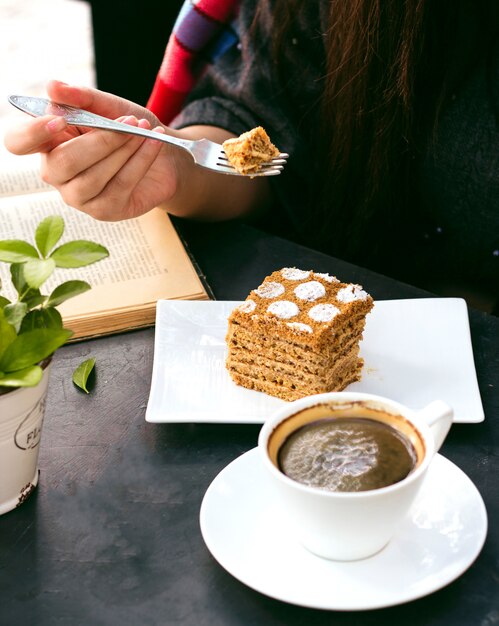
(350,525)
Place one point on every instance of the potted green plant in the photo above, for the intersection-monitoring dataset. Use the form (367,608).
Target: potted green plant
(31,330)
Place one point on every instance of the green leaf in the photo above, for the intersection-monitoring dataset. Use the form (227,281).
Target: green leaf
(3,302)
(67,290)
(27,377)
(48,233)
(26,294)
(16,251)
(37,271)
(17,276)
(33,298)
(32,347)
(41,318)
(7,333)
(78,253)
(82,372)
(14,314)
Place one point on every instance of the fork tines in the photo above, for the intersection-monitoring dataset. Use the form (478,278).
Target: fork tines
(270,168)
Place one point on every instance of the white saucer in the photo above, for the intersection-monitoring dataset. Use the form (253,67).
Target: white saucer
(442,536)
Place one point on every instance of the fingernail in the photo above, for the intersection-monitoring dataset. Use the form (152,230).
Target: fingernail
(160,130)
(56,125)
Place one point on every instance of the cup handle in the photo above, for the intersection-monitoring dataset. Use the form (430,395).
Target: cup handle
(438,415)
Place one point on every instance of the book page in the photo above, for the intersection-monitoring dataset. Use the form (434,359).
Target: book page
(147,260)
(15,181)
(20,174)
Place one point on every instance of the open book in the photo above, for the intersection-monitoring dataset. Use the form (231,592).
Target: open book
(147,259)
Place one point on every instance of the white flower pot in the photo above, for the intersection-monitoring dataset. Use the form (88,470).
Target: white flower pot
(21,418)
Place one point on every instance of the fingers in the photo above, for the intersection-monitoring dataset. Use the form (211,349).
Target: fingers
(73,158)
(116,201)
(40,134)
(104,189)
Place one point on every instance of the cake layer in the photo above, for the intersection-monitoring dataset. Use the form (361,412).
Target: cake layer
(238,337)
(296,376)
(312,363)
(310,341)
(288,393)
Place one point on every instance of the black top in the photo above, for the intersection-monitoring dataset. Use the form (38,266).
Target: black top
(455,239)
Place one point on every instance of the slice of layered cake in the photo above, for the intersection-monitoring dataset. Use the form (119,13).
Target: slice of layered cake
(247,152)
(298,334)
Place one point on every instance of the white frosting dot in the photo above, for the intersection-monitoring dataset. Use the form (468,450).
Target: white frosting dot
(310,291)
(351,293)
(283,309)
(302,328)
(328,278)
(291,273)
(323,312)
(248,306)
(270,290)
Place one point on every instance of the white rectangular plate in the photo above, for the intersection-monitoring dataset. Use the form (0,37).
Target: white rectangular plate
(414,351)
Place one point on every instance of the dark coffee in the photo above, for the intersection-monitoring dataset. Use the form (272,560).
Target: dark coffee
(347,454)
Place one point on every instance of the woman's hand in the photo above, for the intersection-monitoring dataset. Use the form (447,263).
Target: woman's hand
(109,175)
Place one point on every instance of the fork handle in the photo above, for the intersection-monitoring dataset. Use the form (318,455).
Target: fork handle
(107,124)
(78,117)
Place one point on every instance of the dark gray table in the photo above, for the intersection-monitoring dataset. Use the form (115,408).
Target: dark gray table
(112,534)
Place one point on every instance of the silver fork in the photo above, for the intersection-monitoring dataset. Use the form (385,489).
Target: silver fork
(205,153)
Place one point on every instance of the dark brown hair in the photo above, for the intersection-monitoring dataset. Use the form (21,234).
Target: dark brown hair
(390,67)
